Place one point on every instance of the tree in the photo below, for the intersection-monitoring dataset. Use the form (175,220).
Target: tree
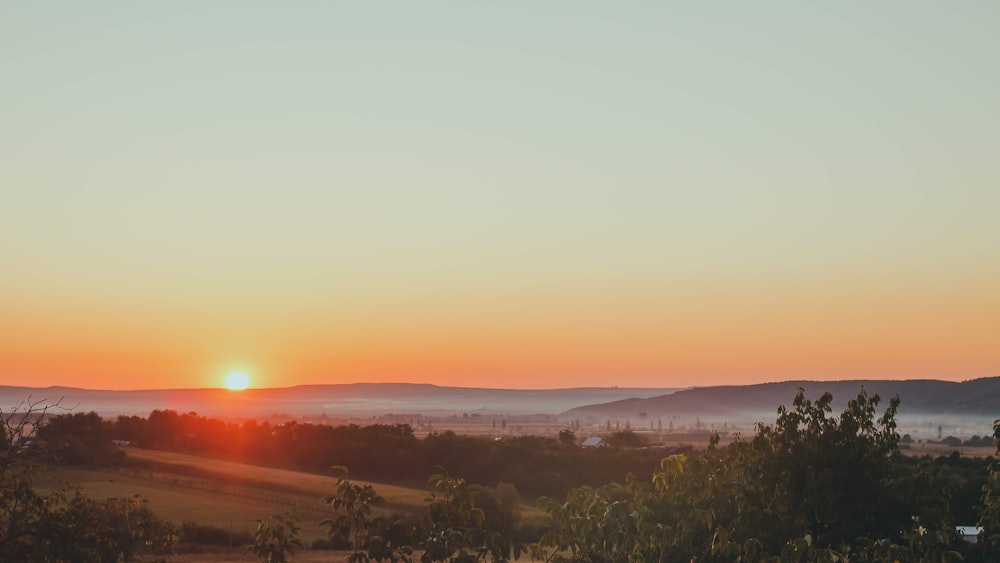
(455,527)
(812,486)
(825,476)
(452,521)
(989,519)
(22,510)
(64,525)
(567,437)
(952,441)
(366,533)
(276,538)
(78,439)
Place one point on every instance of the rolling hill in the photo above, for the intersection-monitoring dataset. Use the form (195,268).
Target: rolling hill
(977,400)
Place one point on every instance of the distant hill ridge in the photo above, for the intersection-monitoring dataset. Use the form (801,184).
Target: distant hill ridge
(977,396)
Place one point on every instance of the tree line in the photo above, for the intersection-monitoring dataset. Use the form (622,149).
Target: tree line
(536,465)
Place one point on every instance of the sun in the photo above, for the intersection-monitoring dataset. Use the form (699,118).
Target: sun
(237,381)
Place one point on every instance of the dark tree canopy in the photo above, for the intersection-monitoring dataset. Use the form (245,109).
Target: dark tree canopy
(812,486)
(65,525)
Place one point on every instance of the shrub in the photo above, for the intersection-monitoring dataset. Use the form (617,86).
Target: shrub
(200,534)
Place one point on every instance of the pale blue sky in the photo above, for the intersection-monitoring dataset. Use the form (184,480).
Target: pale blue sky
(280,153)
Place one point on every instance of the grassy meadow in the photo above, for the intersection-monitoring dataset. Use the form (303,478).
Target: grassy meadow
(225,494)
(228,495)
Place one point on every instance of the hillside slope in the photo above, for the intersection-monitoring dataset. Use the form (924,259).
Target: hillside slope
(978,397)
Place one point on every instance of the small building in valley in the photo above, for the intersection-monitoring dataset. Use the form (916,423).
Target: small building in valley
(969,533)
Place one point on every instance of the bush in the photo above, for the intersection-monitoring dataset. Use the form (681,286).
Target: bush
(331,544)
(65,524)
(200,534)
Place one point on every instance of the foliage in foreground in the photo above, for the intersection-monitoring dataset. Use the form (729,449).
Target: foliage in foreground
(65,525)
(990,518)
(276,538)
(813,486)
(453,528)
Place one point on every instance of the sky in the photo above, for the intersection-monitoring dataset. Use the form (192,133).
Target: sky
(497,194)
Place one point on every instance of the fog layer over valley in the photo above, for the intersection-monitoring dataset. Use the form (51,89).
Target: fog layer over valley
(965,408)
(930,409)
(355,400)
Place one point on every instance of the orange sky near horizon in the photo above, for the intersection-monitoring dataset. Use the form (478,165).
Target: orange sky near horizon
(641,338)
(485,194)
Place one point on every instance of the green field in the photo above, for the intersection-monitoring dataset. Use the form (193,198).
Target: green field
(226,494)
(229,495)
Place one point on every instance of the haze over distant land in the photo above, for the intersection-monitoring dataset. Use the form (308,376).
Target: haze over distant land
(964,408)
(967,407)
(511,193)
(338,401)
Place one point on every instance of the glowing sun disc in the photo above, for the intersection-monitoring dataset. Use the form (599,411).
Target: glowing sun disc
(237,381)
